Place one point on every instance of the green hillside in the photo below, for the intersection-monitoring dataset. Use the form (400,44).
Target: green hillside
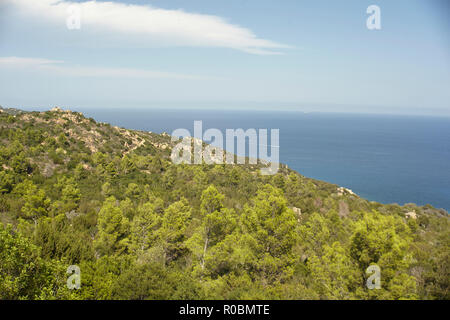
(77,192)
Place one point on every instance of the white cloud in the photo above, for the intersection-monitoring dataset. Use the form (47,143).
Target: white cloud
(18,62)
(152,25)
(58,67)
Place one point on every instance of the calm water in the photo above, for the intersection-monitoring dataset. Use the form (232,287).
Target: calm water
(383,158)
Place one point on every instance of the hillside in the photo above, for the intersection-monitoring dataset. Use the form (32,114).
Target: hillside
(107,199)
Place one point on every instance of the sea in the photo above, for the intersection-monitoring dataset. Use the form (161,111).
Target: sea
(384,158)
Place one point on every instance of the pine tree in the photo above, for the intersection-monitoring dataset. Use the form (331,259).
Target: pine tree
(113,229)
(173,227)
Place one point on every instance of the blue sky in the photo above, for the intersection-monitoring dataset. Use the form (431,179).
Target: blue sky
(302,55)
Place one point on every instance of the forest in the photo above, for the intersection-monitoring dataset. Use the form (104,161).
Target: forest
(76,192)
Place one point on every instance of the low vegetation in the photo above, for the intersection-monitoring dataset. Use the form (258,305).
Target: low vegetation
(109,200)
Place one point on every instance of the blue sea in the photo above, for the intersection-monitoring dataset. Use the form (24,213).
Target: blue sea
(384,158)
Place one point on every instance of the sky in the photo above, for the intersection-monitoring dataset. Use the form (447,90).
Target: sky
(227,54)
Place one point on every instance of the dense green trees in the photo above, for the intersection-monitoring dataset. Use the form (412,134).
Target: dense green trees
(24,274)
(144,228)
(384,241)
(36,203)
(172,234)
(270,233)
(75,192)
(113,229)
(335,274)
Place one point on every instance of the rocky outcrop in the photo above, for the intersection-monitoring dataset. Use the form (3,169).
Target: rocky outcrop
(56,109)
(411,215)
(342,191)
(298,212)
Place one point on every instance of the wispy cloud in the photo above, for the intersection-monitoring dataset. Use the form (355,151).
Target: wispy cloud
(58,67)
(153,25)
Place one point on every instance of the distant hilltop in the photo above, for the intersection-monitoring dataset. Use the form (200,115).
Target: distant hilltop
(11,111)
(15,111)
